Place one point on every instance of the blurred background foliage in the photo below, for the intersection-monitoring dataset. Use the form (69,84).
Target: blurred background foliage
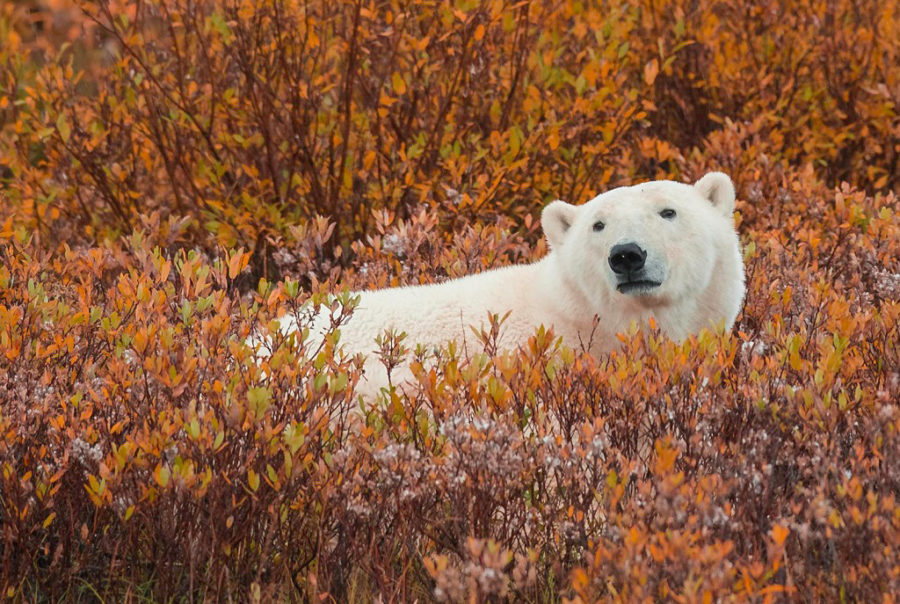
(244,119)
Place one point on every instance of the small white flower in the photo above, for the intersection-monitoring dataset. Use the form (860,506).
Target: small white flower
(84,452)
(394,244)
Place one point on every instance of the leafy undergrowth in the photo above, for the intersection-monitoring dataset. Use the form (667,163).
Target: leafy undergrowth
(173,179)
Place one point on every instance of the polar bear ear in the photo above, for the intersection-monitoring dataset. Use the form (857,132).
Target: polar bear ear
(556,219)
(719,190)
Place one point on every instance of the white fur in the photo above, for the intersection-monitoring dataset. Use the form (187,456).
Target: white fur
(696,256)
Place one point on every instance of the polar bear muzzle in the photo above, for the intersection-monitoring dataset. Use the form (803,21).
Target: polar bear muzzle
(627,261)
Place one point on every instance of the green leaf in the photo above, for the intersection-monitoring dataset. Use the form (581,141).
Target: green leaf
(62,126)
(259,399)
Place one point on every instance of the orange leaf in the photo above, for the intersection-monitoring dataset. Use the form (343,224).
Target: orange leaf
(667,456)
(651,69)
(779,534)
(237,263)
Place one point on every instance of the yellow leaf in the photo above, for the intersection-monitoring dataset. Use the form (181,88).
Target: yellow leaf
(63,127)
(398,83)
(161,475)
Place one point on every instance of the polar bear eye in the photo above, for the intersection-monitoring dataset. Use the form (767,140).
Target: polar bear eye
(598,226)
(668,213)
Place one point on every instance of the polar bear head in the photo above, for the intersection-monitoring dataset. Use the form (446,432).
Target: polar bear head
(653,246)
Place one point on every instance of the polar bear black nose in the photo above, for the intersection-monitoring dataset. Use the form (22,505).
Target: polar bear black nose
(626,258)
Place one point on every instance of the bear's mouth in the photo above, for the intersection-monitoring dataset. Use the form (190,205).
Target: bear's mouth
(640,286)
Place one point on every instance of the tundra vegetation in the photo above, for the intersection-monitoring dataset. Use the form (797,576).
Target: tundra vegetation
(175,174)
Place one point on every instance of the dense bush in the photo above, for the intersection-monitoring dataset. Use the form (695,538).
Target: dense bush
(176,174)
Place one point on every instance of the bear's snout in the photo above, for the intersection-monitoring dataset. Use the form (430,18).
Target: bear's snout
(626,258)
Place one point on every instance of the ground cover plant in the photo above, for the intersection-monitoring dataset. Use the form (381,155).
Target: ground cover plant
(175,174)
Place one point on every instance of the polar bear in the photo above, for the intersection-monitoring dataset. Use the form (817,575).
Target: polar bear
(660,249)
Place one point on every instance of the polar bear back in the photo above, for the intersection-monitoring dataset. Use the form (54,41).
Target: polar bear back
(437,313)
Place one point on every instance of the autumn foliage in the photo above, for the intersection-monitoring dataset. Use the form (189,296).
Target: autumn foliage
(175,174)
